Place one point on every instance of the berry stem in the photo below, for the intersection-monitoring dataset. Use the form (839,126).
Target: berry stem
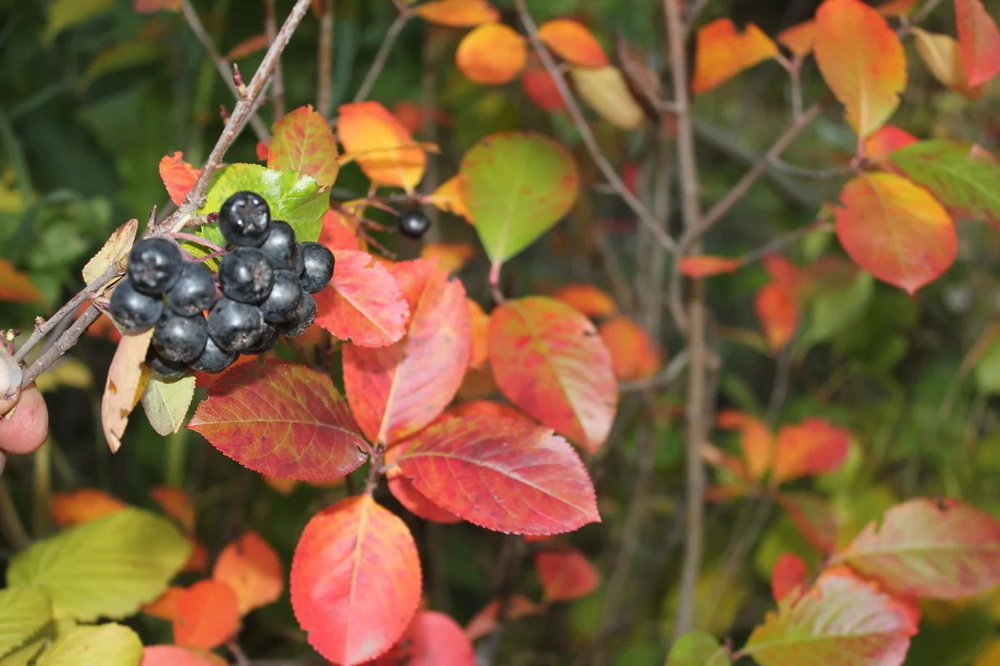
(198,240)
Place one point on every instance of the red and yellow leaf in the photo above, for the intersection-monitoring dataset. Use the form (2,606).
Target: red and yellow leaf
(896,7)
(566,574)
(491,54)
(125,383)
(16,287)
(634,355)
(799,38)
(177,504)
(885,140)
(813,517)
(380,144)
(811,447)
(206,615)
(587,299)
(574,42)
(708,265)
(789,572)
(722,52)
(756,440)
(458,13)
(941,54)
(355,581)
(80,506)
(302,141)
(282,420)
(252,569)
(178,176)
(433,639)
(979,41)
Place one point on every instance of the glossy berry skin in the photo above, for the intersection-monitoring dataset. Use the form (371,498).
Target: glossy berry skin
(163,367)
(244,219)
(134,311)
(286,294)
(193,292)
(154,264)
(304,317)
(214,358)
(317,266)
(414,223)
(268,338)
(280,248)
(235,326)
(246,275)
(180,339)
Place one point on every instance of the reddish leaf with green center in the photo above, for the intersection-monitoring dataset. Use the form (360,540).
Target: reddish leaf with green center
(252,569)
(206,615)
(396,390)
(979,41)
(895,230)
(282,420)
(941,549)
(178,176)
(549,361)
(566,574)
(433,639)
(503,474)
(302,141)
(355,581)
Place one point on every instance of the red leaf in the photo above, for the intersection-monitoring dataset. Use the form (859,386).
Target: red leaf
(485,408)
(338,232)
(978,40)
(566,574)
(303,141)
(433,639)
(206,616)
(508,475)
(414,501)
(175,655)
(178,176)
(16,287)
(80,506)
(491,54)
(708,265)
(397,390)
(177,504)
(549,361)
(723,51)
(789,572)
(811,447)
(940,549)
(355,580)
(895,230)
(363,302)
(281,420)
(573,42)
(252,569)
(539,85)
(248,46)
(587,299)
(885,140)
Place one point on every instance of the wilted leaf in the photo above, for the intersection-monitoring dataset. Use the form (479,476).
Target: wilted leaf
(605,90)
(80,506)
(178,176)
(432,639)
(108,644)
(811,447)
(895,230)
(302,141)
(491,54)
(458,13)
(380,144)
(166,402)
(633,354)
(283,420)
(698,648)
(16,287)
(124,385)
(566,574)
(355,580)
(587,299)
(508,475)
(251,568)
(23,611)
(708,265)
(722,52)
(789,573)
(175,655)
(114,250)
(573,42)
(941,55)
(799,38)
(979,40)
(106,567)
(862,60)
(206,616)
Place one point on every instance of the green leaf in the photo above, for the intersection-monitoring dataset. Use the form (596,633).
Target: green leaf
(101,645)
(292,197)
(957,176)
(697,649)
(517,186)
(25,655)
(988,369)
(106,567)
(834,310)
(23,611)
(166,402)
(67,13)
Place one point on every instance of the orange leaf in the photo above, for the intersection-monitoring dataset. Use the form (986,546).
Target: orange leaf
(383,148)
(479,331)
(165,605)
(355,580)
(708,265)
(177,504)
(789,572)
(486,620)
(566,574)
(175,655)
(811,447)
(895,230)
(633,354)
(778,314)
(207,615)
(979,40)
(198,560)
(756,441)
(302,141)
(491,54)
(722,52)
(886,139)
(458,13)
(539,85)
(82,505)
(799,38)
(586,299)
(125,383)
(572,41)
(150,6)
(485,408)
(252,569)
(433,639)
(450,197)
(896,7)
(248,46)
(451,257)
(16,287)
(862,60)
(178,176)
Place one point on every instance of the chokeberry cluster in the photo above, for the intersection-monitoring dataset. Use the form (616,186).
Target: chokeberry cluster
(204,321)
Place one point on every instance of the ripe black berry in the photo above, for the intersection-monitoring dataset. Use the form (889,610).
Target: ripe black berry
(154,264)
(317,266)
(180,339)
(246,275)
(193,292)
(304,317)
(414,223)
(133,310)
(235,326)
(244,219)
(286,294)
(163,367)
(280,248)
(268,338)
(214,358)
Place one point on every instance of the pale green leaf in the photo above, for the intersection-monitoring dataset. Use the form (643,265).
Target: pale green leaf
(23,611)
(698,648)
(106,567)
(101,645)
(25,655)
(63,14)
(166,402)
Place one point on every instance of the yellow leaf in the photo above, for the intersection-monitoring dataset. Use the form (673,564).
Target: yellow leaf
(604,89)
(115,249)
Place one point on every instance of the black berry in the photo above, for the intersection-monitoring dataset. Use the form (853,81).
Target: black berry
(280,248)
(180,339)
(414,223)
(193,292)
(304,317)
(163,367)
(286,294)
(133,310)
(266,341)
(235,326)
(246,275)
(244,219)
(317,266)
(214,358)
(154,264)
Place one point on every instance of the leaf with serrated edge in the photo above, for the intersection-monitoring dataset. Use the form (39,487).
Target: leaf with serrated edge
(23,611)
(504,474)
(108,644)
(106,567)
(166,402)
(283,420)
(355,581)
(124,385)
(302,141)
(114,250)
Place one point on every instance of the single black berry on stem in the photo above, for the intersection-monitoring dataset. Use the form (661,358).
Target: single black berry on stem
(214,358)
(280,248)
(154,264)
(244,219)
(194,290)
(133,310)
(180,339)
(283,301)
(317,266)
(304,317)
(246,275)
(414,223)
(163,367)
(235,326)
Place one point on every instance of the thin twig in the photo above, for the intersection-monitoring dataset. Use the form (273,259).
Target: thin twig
(378,64)
(62,344)
(923,12)
(324,61)
(587,135)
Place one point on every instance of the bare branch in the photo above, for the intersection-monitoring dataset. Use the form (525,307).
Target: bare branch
(277,79)
(62,344)
(324,60)
(378,64)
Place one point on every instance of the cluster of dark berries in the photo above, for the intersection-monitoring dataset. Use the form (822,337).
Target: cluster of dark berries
(266,281)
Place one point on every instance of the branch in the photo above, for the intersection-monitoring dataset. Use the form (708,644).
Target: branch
(61,345)
(573,108)
(277,80)
(378,64)
(324,60)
